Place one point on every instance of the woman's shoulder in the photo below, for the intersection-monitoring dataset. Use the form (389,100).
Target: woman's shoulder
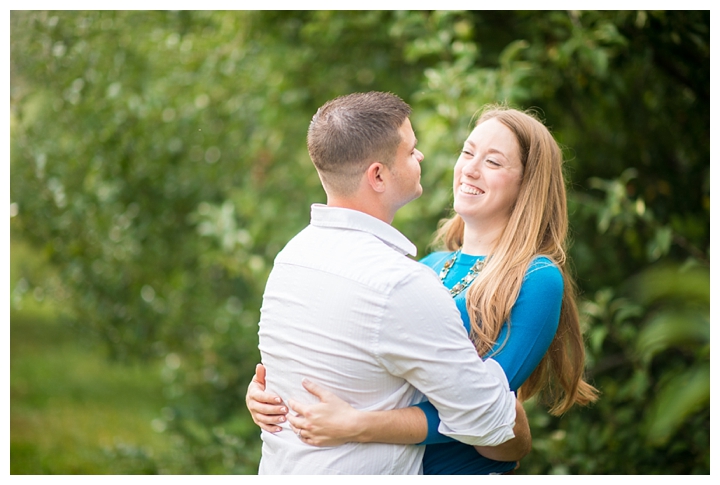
(540,262)
(544,271)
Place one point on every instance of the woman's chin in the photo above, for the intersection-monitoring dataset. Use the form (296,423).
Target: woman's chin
(463,209)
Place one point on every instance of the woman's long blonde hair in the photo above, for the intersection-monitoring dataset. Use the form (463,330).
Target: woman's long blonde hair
(537,226)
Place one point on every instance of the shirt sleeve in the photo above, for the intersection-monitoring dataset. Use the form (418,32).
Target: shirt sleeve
(427,345)
(533,323)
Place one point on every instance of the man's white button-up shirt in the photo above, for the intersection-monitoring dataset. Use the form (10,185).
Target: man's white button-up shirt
(346,308)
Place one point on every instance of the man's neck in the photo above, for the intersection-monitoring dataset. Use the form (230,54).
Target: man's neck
(368,205)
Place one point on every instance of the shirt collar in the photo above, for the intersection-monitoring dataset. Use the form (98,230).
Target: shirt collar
(322,215)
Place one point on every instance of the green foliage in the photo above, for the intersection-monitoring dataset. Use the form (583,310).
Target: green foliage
(679,320)
(158,162)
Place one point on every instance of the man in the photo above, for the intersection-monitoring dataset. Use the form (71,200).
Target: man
(346,308)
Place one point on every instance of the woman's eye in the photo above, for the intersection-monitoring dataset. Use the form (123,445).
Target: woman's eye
(467,153)
(493,162)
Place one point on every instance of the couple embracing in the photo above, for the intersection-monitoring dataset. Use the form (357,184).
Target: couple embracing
(374,363)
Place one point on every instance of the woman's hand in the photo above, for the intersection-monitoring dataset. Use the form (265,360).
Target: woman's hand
(330,422)
(267,409)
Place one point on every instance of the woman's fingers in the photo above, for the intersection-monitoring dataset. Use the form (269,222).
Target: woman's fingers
(265,418)
(269,427)
(297,422)
(259,376)
(307,432)
(254,393)
(267,409)
(298,407)
(270,412)
(317,390)
(265,406)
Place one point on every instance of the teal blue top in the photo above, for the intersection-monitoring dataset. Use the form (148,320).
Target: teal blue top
(534,320)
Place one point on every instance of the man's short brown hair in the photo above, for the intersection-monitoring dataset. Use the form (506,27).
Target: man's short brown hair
(348,133)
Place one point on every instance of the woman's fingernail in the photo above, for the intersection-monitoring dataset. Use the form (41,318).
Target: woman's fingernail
(283,410)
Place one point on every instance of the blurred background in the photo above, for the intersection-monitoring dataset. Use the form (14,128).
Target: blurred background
(158,164)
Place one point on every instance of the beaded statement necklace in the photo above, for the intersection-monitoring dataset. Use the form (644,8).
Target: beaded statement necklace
(467,279)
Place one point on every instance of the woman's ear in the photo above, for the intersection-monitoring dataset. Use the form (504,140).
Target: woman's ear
(375,175)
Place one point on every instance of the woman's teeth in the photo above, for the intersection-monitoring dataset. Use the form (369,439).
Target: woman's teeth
(467,189)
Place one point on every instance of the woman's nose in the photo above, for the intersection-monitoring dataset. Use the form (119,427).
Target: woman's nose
(471,169)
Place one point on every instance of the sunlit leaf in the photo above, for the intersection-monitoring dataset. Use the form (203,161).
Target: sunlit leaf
(664,283)
(680,397)
(671,328)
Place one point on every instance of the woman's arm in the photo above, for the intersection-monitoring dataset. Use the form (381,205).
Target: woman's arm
(533,323)
(333,422)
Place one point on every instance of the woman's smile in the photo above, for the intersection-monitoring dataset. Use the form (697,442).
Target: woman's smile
(470,189)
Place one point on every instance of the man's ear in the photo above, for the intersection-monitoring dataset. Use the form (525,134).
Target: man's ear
(375,175)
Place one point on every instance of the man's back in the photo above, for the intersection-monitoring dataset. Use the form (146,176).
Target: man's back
(339,309)
(322,306)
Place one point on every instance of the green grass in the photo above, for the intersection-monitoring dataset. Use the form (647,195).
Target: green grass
(72,411)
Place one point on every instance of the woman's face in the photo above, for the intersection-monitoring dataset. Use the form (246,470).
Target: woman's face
(488,174)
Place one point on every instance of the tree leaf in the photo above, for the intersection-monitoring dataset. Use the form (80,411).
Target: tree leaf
(680,397)
(670,328)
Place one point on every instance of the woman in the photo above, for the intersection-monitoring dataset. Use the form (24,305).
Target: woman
(505,265)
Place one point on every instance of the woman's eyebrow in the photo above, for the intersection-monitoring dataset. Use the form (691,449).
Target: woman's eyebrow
(489,150)
(495,150)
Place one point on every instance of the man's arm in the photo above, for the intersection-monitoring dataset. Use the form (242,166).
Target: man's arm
(427,345)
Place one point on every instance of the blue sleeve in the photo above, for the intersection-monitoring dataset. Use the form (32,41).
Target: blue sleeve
(533,322)
(433,423)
